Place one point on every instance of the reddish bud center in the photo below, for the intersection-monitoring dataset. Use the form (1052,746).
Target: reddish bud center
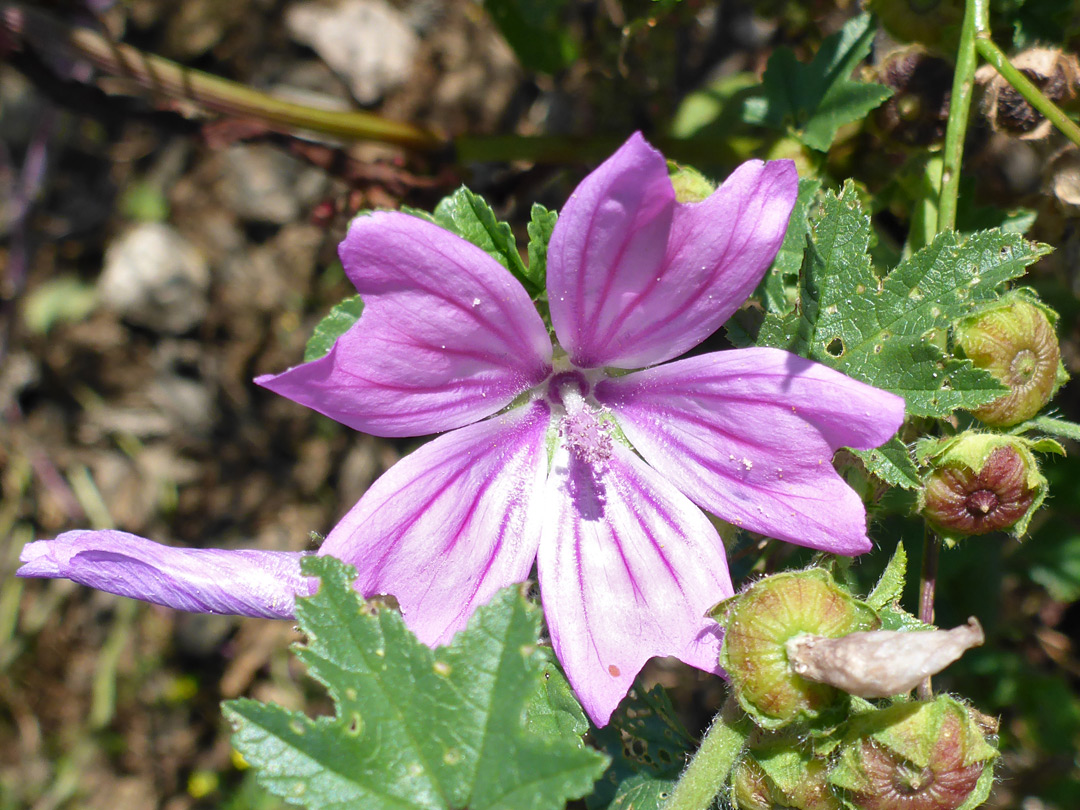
(982,502)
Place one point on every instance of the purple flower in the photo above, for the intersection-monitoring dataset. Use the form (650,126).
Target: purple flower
(557,454)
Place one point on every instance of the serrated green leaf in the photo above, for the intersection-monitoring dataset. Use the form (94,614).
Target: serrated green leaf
(535,30)
(818,98)
(541,224)
(891,583)
(333,326)
(777,288)
(470,217)
(892,463)
(886,331)
(646,739)
(414,727)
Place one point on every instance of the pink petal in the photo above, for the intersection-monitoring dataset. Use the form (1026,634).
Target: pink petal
(635,278)
(244,582)
(750,435)
(447,336)
(453,522)
(628,568)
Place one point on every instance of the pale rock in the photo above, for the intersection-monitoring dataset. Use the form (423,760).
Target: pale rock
(154,277)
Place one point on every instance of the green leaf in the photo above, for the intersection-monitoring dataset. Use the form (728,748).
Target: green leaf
(415,727)
(333,326)
(818,98)
(64,299)
(642,792)
(541,224)
(889,331)
(776,288)
(535,30)
(891,584)
(1053,426)
(471,218)
(645,739)
(892,463)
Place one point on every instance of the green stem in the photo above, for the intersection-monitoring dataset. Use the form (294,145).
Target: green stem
(1032,94)
(169,79)
(976,19)
(707,772)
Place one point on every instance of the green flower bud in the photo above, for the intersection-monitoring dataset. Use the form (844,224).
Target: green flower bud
(914,756)
(980,483)
(784,774)
(1014,340)
(690,185)
(761,620)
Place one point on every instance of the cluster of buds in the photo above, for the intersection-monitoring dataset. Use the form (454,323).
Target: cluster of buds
(799,650)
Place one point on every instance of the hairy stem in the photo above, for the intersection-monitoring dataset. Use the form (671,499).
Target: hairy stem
(707,772)
(927,585)
(1032,94)
(976,19)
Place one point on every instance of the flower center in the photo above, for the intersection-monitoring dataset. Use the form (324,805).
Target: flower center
(585,434)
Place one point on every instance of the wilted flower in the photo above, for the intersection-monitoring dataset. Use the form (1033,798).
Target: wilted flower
(556,454)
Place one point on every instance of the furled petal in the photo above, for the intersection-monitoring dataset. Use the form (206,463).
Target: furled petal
(750,434)
(628,567)
(447,336)
(635,278)
(453,522)
(244,582)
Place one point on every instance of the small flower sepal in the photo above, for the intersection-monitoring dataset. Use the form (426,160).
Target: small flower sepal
(916,756)
(1014,340)
(982,482)
(690,185)
(758,624)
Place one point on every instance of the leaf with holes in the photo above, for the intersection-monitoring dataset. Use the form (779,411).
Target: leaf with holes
(416,727)
(648,747)
(890,331)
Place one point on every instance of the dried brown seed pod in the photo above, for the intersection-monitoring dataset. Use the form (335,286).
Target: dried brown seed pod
(918,110)
(880,663)
(1055,73)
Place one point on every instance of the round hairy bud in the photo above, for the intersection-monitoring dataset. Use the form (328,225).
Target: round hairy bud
(914,756)
(758,624)
(980,483)
(933,23)
(783,774)
(918,110)
(1053,72)
(1015,341)
(690,185)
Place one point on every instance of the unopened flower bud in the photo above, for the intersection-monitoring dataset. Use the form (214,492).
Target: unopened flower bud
(1014,340)
(918,110)
(915,756)
(1053,72)
(980,483)
(783,774)
(690,185)
(759,623)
